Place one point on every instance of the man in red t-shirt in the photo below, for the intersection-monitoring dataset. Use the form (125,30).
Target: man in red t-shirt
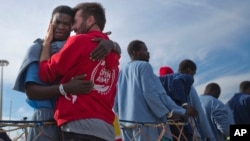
(90,116)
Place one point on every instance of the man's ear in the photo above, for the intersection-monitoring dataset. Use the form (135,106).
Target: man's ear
(190,71)
(91,20)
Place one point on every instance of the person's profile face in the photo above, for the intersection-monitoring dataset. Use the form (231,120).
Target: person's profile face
(79,25)
(248,90)
(191,72)
(143,53)
(62,26)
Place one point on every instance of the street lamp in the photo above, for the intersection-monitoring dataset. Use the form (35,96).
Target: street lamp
(2,64)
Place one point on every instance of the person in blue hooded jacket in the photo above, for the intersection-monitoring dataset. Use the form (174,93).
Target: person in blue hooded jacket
(178,86)
(216,111)
(203,130)
(240,104)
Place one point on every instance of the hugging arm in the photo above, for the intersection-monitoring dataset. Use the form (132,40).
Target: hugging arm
(103,48)
(75,86)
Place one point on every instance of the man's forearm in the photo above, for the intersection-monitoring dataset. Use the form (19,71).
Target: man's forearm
(45,54)
(38,92)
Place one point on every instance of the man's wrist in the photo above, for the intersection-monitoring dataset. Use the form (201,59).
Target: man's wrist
(184,104)
(45,53)
(62,91)
(170,114)
(46,44)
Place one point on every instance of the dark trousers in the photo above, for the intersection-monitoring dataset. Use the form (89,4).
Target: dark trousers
(187,132)
(69,136)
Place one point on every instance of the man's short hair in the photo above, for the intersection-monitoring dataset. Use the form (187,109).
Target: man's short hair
(187,64)
(134,45)
(92,9)
(213,89)
(244,85)
(64,9)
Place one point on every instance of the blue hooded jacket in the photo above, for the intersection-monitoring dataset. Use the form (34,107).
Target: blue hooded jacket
(32,59)
(177,86)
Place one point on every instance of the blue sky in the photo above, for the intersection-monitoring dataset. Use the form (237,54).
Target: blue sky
(214,34)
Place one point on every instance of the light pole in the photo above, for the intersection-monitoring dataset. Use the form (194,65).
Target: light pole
(2,64)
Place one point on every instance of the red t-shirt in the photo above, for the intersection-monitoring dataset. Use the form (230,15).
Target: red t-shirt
(73,60)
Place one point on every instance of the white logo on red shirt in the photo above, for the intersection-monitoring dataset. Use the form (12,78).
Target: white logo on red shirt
(103,78)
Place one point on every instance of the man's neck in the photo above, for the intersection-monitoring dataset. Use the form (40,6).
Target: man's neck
(95,28)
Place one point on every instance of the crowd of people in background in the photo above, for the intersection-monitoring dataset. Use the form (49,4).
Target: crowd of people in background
(90,98)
